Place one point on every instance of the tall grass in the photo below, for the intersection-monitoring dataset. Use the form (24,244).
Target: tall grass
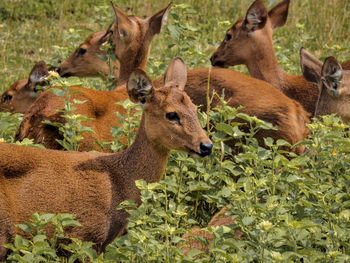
(32,30)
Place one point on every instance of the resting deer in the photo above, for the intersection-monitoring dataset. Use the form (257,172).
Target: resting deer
(91,185)
(249,42)
(24,92)
(258,98)
(333,83)
(346,65)
(219,219)
(132,36)
(85,60)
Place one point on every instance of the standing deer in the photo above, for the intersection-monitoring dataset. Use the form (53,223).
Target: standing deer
(91,185)
(333,83)
(132,36)
(249,42)
(24,92)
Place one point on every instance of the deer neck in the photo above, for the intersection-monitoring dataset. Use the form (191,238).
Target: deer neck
(264,66)
(144,159)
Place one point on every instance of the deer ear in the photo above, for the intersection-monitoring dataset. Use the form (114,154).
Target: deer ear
(139,86)
(37,75)
(176,74)
(158,20)
(106,36)
(256,16)
(310,66)
(278,15)
(332,74)
(121,21)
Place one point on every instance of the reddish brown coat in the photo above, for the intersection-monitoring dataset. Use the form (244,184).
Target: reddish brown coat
(91,185)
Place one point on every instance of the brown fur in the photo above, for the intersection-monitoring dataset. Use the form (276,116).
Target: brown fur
(219,219)
(91,185)
(132,52)
(255,50)
(20,99)
(333,83)
(88,64)
(346,65)
(258,98)
(24,92)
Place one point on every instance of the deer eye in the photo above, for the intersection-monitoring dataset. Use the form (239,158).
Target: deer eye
(81,52)
(172,116)
(7,97)
(228,37)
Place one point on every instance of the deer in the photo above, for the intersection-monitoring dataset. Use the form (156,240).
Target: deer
(346,65)
(93,184)
(258,98)
(333,83)
(249,42)
(85,61)
(22,93)
(132,35)
(219,219)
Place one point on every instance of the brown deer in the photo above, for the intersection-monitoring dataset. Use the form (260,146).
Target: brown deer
(91,185)
(346,65)
(85,60)
(333,83)
(219,219)
(258,98)
(249,42)
(24,92)
(132,36)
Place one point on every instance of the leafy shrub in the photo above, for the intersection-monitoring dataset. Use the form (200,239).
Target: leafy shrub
(71,129)
(42,248)
(9,124)
(289,208)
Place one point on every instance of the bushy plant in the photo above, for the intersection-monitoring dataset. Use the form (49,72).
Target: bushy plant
(71,129)
(289,208)
(54,247)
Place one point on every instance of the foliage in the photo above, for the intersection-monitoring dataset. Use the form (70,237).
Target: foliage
(289,207)
(124,135)
(71,129)
(8,125)
(42,247)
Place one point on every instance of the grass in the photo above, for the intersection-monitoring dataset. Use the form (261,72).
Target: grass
(34,30)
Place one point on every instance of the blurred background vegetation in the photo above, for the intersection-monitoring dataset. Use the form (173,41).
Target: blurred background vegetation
(33,30)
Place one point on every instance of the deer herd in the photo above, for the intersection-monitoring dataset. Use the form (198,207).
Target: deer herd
(91,185)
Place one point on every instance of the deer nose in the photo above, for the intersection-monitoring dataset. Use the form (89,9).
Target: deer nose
(59,71)
(212,58)
(206,149)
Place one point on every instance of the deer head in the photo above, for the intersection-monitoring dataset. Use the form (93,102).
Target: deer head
(23,92)
(333,83)
(170,117)
(247,39)
(85,61)
(132,37)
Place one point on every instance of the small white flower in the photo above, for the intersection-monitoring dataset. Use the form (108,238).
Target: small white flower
(265,225)
(53,74)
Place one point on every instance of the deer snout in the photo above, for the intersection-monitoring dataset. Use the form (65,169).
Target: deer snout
(205,149)
(215,62)
(213,58)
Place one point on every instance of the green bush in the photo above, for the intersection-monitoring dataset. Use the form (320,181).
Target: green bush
(289,208)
